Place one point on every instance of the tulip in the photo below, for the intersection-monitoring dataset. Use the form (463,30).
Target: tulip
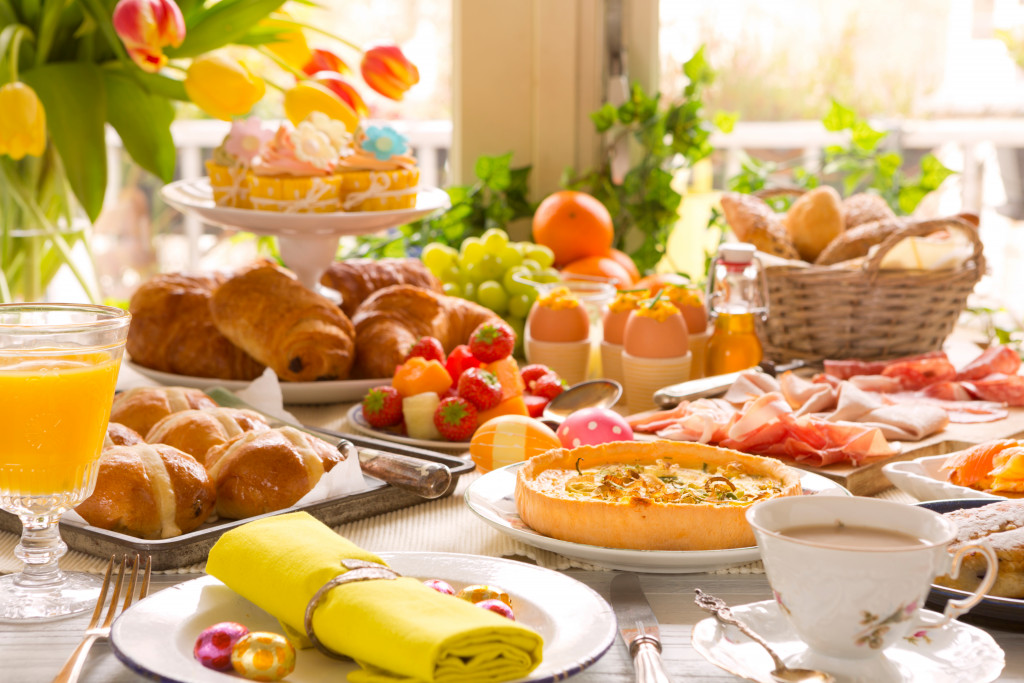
(349,95)
(307,97)
(290,46)
(22,121)
(325,60)
(221,86)
(386,70)
(146,27)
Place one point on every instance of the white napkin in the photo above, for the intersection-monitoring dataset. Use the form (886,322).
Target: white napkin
(264,394)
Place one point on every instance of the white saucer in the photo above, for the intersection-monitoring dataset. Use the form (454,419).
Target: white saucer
(957,653)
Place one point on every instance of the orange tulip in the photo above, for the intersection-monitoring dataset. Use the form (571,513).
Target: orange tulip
(325,60)
(221,86)
(146,27)
(388,71)
(307,97)
(22,121)
(336,84)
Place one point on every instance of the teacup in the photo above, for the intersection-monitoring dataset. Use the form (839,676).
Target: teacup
(851,574)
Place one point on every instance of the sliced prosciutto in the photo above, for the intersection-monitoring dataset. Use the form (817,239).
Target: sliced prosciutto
(919,373)
(997,359)
(1008,389)
(845,369)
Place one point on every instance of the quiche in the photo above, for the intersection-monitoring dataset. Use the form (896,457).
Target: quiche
(661,495)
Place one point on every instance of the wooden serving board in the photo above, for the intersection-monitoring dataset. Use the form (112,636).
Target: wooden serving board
(869,479)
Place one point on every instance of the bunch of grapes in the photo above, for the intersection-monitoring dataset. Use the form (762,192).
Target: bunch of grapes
(494,272)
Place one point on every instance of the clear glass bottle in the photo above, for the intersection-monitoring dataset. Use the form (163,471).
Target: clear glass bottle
(736,298)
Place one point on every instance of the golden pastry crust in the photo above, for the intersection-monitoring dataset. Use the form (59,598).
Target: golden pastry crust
(119,435)
(814,220)
(639,522)
(142,407)
(1003,524)
(197,431)
(863,207)
(357,279)
(754,221)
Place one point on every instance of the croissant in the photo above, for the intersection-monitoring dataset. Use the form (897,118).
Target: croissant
(356,279)
(260,472)
(149,491)
(172,330)
(142,407)
(302,335)
(197,431)
(393,318)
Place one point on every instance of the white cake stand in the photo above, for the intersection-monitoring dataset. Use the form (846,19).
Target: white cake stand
(308,242)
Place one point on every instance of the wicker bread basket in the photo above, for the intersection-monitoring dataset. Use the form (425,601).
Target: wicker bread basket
(840,311)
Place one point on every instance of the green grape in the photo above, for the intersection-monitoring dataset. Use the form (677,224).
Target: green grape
(472,251)
(519,305)
(475,273)
(518,325)
(547,275)
(531,265)
(452,288)
(491,294)
(491,267)
(514,285)
(449,273)
(541,254)
(437,257)
(494,239)
(508,257)
(469,291)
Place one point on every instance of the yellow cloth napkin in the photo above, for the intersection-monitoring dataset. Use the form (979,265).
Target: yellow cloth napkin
(397,630)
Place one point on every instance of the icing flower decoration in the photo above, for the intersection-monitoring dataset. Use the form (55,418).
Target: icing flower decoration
(221,86)
(246,139)
(22,121)
(146,27)
(313,146)
(383,142)
(336,132)
(388,71)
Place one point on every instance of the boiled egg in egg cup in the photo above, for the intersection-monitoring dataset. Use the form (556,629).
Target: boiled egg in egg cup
(613,327)
(655,351)
(689,299)
(558,334)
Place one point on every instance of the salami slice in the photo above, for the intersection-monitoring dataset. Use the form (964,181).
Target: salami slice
(995,359)
(1008,389)
(921,372)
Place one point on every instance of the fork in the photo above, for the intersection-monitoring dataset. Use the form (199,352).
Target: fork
(95,631)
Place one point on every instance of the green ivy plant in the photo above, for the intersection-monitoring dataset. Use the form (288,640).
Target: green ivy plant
(497,198)
(667,136)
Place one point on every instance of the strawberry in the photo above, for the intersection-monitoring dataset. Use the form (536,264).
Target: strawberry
(492,341)
(535,404)
(455,418)
(480,387)
(548,386)
(382,406)
(460,360)
(426,347)
(532,373)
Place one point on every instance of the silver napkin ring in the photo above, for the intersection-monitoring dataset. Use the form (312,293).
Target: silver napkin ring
(358,570)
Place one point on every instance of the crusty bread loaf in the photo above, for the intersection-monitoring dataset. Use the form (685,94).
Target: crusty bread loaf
(864,207)
(814,220)
(1003,525)
(857,242)
(149,491)
(197,431)
(142,407)
(753,221)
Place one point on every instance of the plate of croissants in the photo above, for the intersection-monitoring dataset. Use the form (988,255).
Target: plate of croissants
(225,329)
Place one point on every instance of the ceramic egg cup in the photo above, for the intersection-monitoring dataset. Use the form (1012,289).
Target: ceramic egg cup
(571,360)
(611,361)
(644,376)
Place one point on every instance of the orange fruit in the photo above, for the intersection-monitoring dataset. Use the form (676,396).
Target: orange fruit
(626,261)
(658,280)
(573,225)
(601,266)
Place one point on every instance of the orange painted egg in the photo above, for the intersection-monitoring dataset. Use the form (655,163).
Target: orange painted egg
(507,439)
(479,593)
(648,337)
(558,324)
(263,656)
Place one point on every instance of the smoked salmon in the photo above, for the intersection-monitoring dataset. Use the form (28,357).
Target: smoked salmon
(972,467)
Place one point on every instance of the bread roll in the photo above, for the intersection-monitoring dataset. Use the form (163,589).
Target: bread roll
(357,279)
(755,222)
(197,431)
(260,472)
(119,435)
(142,407)
(814,220)
(149,491)
(864,207)
(172,330)
(302,335)
(856,242)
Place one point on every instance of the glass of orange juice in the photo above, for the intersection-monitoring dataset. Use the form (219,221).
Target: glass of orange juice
(58,369)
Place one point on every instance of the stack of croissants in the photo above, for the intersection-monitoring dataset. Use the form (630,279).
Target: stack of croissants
(234,326)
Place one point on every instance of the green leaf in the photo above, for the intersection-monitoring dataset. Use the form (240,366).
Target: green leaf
(221,24)
(73,95)
(888,163)
(839,117)
(144,123)
(494,171)
(933,172)
(865,137)
(726,121)
(910,197)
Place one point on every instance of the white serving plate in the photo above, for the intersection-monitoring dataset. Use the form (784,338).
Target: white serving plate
(921,479)
(359,425)
(154,637)
(491,497)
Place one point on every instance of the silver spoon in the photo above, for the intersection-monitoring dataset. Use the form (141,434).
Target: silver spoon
(781,673)
(596,393)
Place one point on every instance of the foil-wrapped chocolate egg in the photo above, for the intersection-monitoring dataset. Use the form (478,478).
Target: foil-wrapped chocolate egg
(214,645)
(440,586)
(263,656)
(498,607)
(479,593)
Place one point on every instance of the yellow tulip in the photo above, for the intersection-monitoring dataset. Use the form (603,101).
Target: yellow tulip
(291,48)
(22,121)
(307,97)
(222,87)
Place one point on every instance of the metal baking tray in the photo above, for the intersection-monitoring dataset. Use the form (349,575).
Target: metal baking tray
(193,547)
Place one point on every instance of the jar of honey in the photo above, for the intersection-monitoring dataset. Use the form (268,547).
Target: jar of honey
(736,299)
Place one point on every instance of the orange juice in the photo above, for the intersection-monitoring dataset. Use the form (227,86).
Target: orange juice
(733,344)
(53,416)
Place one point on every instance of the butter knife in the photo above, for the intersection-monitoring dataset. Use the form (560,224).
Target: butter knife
(639,628)
(706,387)
(424,478)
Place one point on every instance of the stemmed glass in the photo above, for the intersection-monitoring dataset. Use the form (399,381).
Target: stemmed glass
(58,369)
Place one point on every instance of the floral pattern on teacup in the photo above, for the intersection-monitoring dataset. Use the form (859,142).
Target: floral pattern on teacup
(876,627)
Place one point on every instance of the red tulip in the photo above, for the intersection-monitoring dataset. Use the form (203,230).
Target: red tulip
(336,84)
(325,60)
(146,27)
(388,71)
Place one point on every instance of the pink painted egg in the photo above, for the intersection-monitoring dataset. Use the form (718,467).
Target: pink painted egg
(214,645)
(479,593)
(263,656)
(593,426)
(498,607)
(440,586)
